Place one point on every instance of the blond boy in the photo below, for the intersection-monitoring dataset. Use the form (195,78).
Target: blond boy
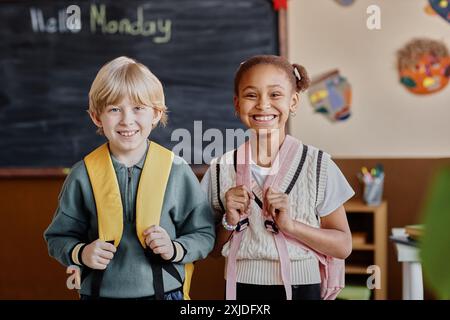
(101,222)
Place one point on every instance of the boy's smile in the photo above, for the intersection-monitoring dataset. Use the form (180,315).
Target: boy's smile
(127,126)
(128,133)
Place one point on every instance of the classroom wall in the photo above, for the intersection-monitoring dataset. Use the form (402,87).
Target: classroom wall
(408,133)
(387,121)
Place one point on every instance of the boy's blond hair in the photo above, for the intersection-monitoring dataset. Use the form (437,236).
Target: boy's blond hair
(125,77)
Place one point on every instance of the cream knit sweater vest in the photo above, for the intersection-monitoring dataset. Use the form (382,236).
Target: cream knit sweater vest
(257,258)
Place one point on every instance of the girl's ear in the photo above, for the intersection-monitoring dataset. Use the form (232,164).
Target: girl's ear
(95,119)
(236,105)
(294,102)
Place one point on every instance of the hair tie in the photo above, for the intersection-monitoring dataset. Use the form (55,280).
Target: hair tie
(297,74)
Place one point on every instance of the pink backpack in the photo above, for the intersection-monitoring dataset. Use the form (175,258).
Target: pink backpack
(332,270)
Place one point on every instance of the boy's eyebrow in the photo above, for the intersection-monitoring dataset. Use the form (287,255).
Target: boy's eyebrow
(120,105)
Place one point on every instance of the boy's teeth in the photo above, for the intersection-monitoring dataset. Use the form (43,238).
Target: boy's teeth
(127,133)
(264,118)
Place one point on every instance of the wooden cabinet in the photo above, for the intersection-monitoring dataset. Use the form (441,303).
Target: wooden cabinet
(369,229)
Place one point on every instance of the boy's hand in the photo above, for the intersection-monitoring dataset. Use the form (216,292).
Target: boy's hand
(158,240)
(278,208)
(98,254)
(237,203)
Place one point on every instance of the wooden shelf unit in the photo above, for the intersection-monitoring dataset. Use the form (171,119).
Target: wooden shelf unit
(355,269)
(365,246)
(373,221)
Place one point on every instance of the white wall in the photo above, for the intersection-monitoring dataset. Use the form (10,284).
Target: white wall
(387,120)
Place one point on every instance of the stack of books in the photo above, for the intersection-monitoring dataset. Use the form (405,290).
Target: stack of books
(414,232)
(409,235)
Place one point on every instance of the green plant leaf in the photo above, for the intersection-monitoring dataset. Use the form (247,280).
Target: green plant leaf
(435,244)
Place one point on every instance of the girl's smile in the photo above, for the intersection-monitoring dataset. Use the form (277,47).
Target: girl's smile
(265,98)
(263,118)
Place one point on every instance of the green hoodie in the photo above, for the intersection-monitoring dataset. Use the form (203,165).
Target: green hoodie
(186,216)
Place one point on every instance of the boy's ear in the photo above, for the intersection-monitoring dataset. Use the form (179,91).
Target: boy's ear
(294,102)
(95,119)
(157,114)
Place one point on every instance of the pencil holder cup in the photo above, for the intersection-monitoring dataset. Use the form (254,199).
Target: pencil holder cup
(373,191)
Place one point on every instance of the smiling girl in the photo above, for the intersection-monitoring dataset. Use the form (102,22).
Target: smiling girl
(273,192)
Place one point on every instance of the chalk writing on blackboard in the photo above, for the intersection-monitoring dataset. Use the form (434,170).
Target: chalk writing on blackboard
(47,67)
(159,29)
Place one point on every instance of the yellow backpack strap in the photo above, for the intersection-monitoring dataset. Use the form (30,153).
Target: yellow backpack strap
(188,272)
(106,194)
(150,198)
(152,187)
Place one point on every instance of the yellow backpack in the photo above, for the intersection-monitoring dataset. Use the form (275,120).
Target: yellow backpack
(149,201)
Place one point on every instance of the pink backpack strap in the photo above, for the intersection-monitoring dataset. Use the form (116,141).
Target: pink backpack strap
(285,263)
(231,265)
(281,166)
(277,175)
(243,173)
(243,177)
(332,271)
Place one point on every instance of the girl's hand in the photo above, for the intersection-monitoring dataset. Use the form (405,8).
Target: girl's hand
(237,203)
(98,254)
(278,208)
(159,241)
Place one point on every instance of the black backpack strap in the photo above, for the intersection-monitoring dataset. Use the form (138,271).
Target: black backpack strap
(318,166)
(299,169)
(96,282)
(234,159)
(218,187)
(258,201)
(158,264)
(96,278)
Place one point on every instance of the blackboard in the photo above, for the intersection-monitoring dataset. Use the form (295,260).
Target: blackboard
(46,68)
